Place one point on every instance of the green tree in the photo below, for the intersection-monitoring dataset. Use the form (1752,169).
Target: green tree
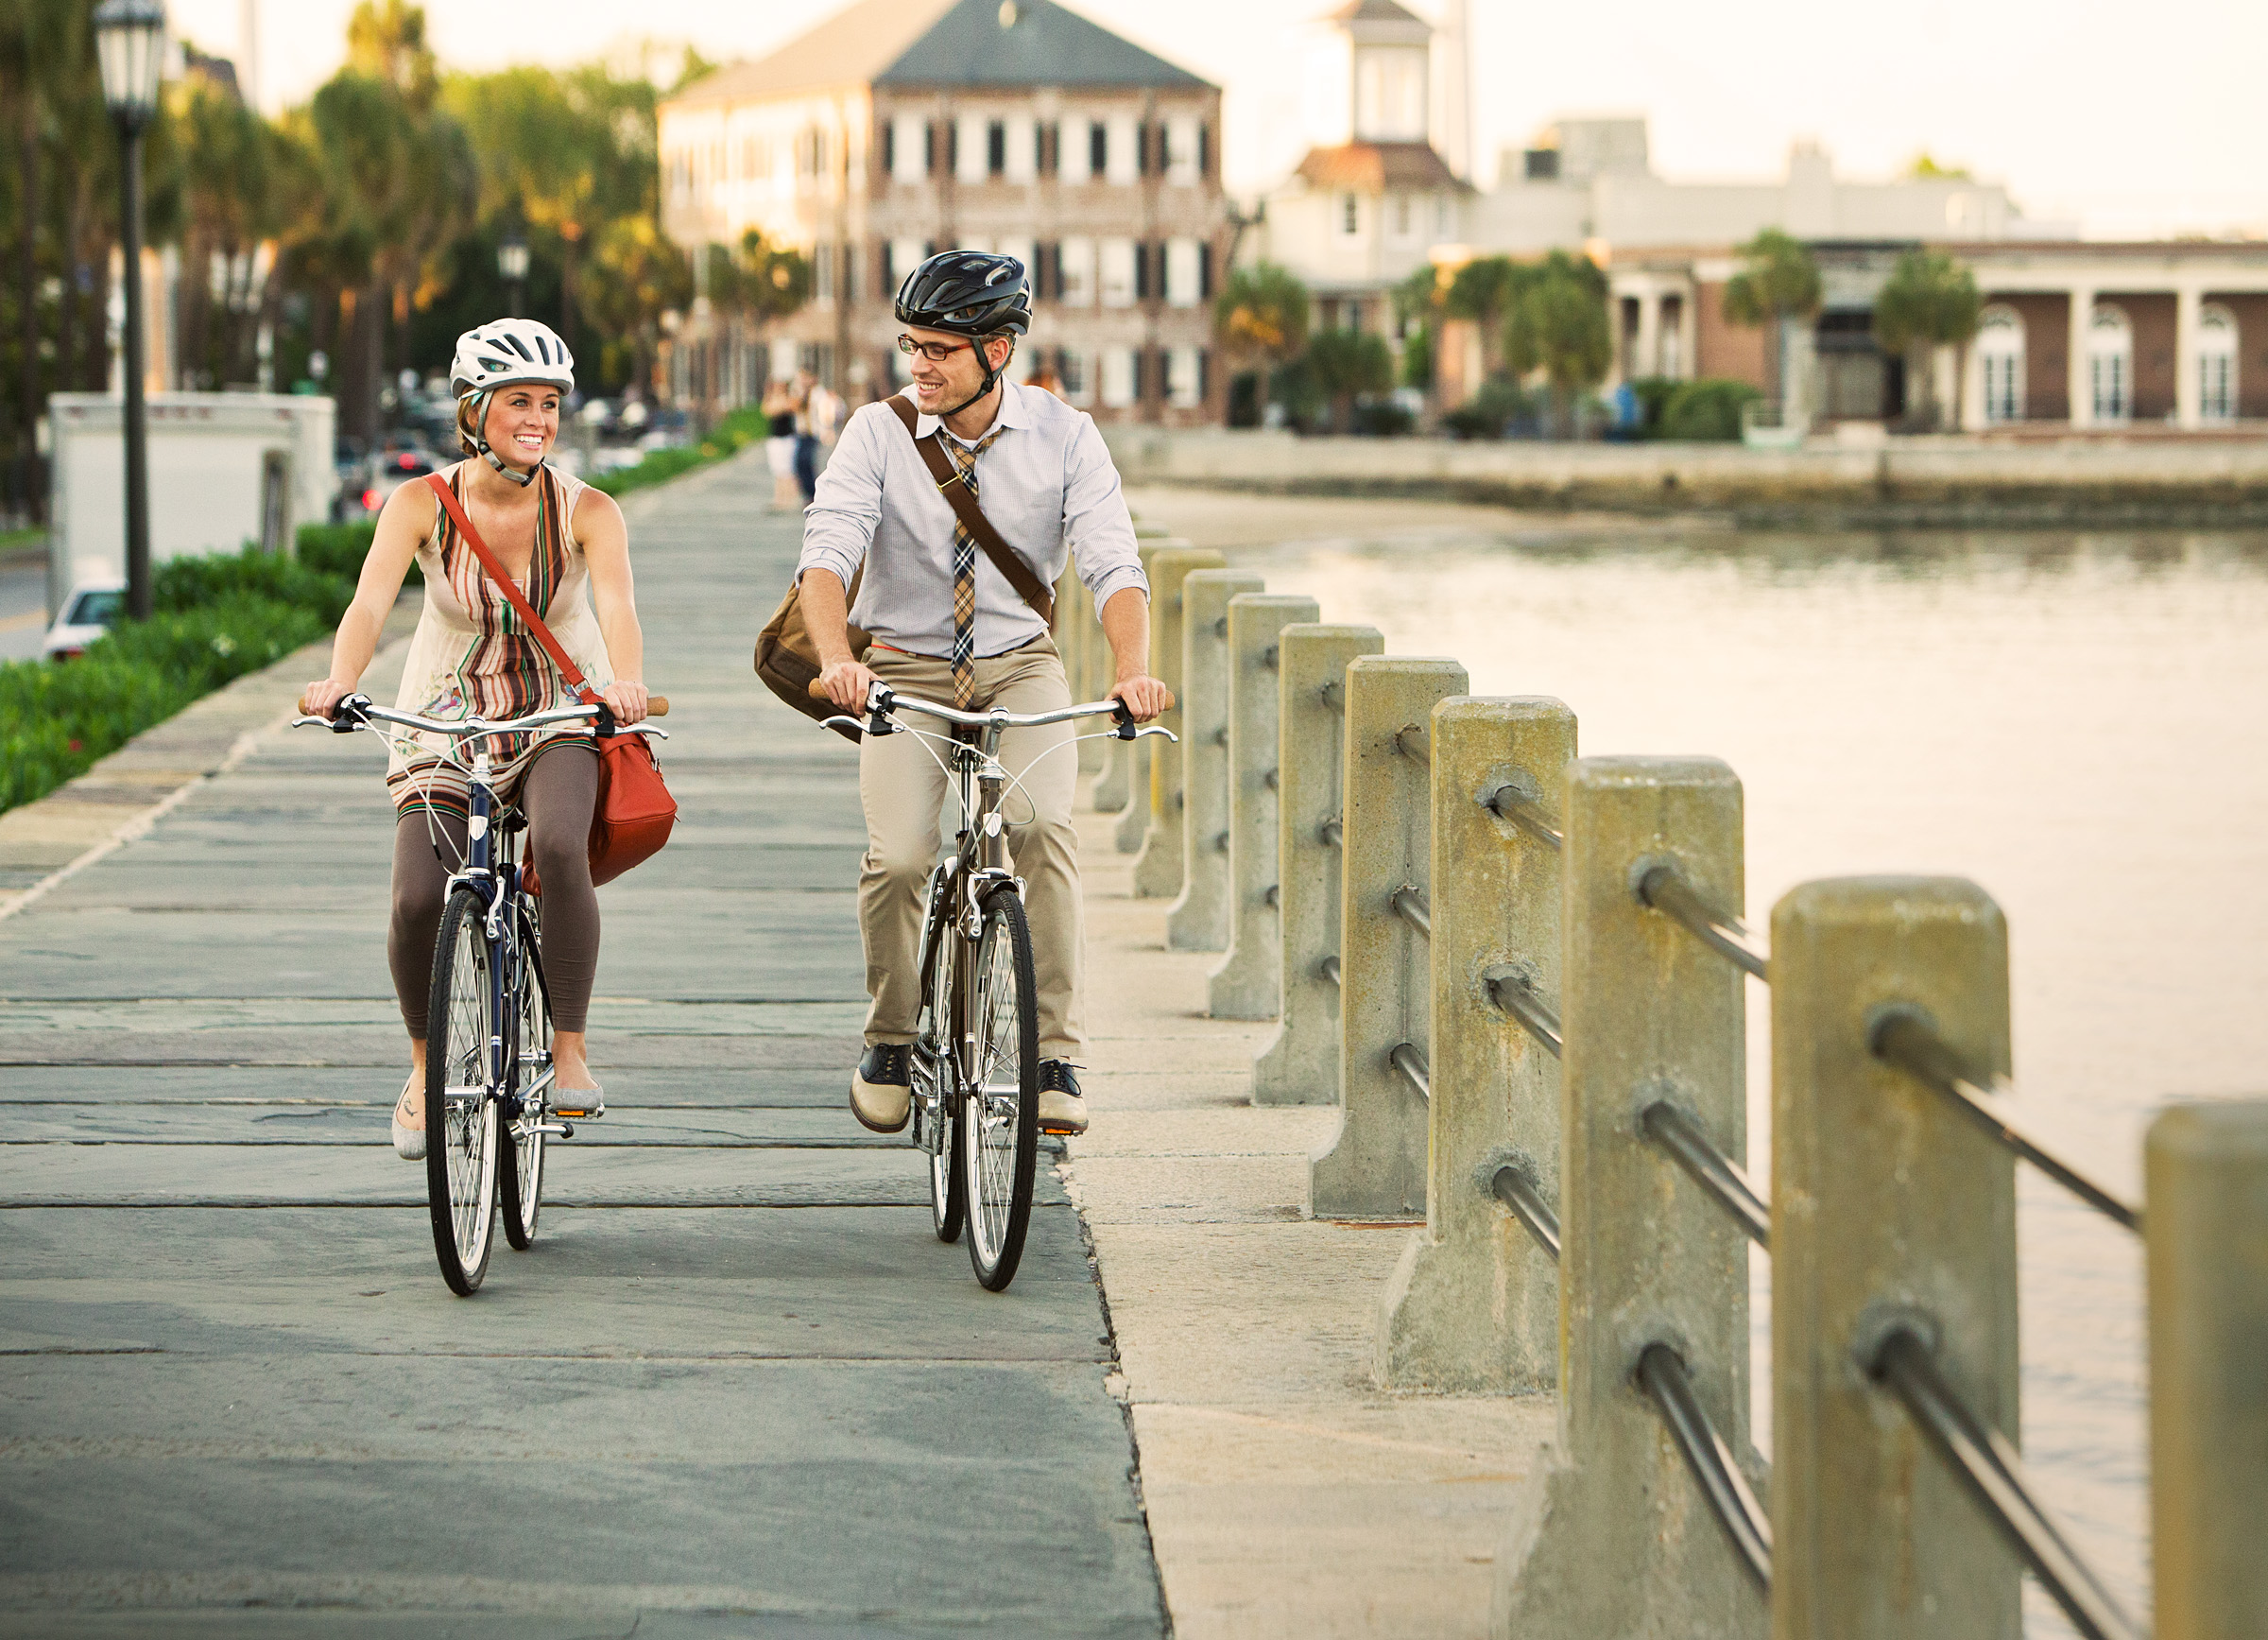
(1348,365)
(1417,303)
(1481,292)
(1557,324)
(1930,300)
(1780,281)
(1262,316)
(638,276)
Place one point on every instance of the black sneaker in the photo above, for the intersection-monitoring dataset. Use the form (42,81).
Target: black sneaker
(1062,1108)
(881,1091)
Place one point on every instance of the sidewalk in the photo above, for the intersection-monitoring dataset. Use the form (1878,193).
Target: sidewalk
(1287,1495)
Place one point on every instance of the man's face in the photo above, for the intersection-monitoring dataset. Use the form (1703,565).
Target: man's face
(940,385)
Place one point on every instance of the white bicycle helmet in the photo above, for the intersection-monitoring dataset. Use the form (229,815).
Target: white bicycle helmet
(508,353)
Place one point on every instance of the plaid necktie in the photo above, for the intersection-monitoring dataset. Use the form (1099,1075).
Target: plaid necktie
(964,574)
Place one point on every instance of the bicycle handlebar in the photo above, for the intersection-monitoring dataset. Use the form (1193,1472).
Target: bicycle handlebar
(355,712)
(881,699)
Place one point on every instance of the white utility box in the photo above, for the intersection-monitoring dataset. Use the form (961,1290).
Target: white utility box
(224,469)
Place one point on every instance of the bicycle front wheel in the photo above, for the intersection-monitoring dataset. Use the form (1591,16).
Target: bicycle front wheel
(999,1109)
(938,1110)
(521,1179)
(460,1095)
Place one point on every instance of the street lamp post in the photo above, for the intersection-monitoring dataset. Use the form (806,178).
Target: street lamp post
(129,42)
(511,262)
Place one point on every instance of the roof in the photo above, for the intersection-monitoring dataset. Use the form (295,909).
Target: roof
(1029,43)
(948,42)
(1376,167)
(1376,11)
(850,48)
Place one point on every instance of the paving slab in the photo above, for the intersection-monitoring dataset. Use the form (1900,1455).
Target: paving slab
(737,1387)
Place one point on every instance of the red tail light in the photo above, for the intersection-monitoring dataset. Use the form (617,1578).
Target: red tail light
(369,500)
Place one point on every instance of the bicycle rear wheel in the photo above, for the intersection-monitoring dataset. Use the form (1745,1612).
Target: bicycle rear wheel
(1000,1110)
(520,1179)
(460,1105)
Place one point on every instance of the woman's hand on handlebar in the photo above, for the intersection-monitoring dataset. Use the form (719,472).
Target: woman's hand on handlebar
(846,684)
(321,698)
(1144,696)
(627,701)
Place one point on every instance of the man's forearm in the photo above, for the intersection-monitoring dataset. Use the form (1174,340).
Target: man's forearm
(1126,623)
(827,616)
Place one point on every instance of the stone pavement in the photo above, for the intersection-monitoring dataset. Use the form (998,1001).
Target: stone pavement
(738,1387)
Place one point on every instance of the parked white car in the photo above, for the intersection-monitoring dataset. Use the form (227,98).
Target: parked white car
(86,614)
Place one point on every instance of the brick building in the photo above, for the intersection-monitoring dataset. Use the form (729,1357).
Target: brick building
(901,126)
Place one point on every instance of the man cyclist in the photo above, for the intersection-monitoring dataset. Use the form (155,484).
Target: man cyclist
(948,626)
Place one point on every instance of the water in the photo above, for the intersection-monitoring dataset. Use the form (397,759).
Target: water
(2075,721)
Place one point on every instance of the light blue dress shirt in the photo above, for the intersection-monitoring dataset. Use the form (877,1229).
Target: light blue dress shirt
(1047,484)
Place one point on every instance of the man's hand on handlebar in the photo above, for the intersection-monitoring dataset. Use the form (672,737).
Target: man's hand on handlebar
(846,684)
(1144,696)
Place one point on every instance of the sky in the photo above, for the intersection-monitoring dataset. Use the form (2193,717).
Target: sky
(2130,120)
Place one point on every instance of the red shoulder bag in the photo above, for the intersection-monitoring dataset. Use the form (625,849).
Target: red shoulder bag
(634,813)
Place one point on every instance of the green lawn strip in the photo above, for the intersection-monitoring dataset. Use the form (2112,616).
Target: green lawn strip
(22,540)
(733,433)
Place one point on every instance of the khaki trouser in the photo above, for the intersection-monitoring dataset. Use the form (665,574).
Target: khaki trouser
(902,788)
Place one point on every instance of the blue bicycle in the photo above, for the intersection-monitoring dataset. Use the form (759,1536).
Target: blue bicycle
(488,1071)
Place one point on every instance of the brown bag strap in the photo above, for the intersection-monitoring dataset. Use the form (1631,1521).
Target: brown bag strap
(512,595)
(1034,591)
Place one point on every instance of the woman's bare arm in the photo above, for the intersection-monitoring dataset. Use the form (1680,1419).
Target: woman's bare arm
(405,520)
(606,543)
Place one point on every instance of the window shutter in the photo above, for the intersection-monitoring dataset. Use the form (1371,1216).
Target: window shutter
(952,147)
(929,147)
(996,148)
(1140,355)
(889,146)
(889,273)
(1204,150)
(1098,148)
(1205,270)
(1204,373)
(1142,272)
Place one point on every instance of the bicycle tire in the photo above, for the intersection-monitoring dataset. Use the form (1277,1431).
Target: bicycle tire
(519,1176)
(1000,1110)
(462,1128)
(948,1198)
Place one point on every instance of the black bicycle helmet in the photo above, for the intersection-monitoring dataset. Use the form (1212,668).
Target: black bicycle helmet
(972,293)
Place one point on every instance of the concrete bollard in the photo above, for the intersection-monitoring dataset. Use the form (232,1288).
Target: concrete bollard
(1198,919)
(2207,1170)
(1887,1205)
(1375,1165)
(1647,1013)
(1248,983)
(1077,633)
(1158,873)
(1495,1088)
(1126,762)
(1300,1064)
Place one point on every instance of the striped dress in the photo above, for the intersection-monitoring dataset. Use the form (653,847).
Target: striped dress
(472,655)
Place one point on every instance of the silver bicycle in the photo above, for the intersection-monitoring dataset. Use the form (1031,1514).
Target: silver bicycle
(487,1054)
(975,1060)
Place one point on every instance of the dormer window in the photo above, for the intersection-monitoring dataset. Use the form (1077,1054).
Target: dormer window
(1350,215)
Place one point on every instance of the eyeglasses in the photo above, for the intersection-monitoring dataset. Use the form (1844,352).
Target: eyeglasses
(937,353)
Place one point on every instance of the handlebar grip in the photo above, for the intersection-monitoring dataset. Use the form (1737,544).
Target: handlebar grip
(814,690)
(657,705)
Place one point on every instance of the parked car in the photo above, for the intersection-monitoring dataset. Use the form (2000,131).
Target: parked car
(388,471)
(86,614)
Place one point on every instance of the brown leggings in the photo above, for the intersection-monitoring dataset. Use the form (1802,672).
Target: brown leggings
(557,794)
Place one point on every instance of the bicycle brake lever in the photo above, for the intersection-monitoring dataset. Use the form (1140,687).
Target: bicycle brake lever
(346,716)
(839,722)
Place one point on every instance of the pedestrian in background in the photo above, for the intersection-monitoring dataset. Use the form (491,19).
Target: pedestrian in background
(780,443)
(807,434)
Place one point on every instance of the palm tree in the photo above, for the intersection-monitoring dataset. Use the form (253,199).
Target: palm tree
(1261,314)
(1932,301)
(1482,291)
(1557,323)
(1780,282)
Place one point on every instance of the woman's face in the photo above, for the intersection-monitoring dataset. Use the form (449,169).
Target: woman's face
(521,424)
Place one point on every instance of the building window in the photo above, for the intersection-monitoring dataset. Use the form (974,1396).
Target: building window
(1350,215)
(1183,167)
(996,148)
(1444,217)
(822,273)
(1075,273)
(2001,362)
(1118,377)
(1185,377)
(1098,150)
(905,255)
(2216,363)
(1117,273)
(1073,373)
(1047,147)
(970,152)
(1184,273)
(2110,363)
(1019,159)
(1124,153)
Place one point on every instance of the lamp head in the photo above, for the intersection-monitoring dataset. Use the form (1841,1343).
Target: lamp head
(129,43)
(512,258)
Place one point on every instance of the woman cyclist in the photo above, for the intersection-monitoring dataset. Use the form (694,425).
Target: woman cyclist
(566,546)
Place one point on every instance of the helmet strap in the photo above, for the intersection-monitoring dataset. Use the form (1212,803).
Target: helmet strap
(991,378)
(480,443)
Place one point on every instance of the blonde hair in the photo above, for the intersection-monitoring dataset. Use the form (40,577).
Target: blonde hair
(468,410)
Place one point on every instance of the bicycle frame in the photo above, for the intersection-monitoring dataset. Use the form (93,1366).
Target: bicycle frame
(492,869)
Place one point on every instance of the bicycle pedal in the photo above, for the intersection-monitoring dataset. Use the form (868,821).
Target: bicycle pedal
(582,1106)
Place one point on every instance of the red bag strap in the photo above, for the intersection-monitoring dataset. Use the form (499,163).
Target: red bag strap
(512,595)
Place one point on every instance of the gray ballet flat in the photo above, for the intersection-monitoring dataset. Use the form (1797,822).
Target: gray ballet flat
(409,1143)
